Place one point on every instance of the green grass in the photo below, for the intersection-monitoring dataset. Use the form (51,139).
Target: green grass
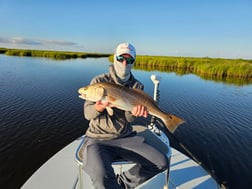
(50,54)
(218,67)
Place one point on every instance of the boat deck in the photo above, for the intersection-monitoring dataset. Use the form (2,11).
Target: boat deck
(61,171)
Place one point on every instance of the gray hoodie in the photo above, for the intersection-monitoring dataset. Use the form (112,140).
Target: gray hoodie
(101,124)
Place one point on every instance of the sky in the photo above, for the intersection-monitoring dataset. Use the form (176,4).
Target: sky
(189,28)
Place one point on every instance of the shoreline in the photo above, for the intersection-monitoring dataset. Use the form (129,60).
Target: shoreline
(61,55)
(237,71)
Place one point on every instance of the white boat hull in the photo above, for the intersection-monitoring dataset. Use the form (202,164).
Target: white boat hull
(61,171)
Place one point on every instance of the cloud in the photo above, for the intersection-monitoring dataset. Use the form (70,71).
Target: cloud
(19,40)
(55,42)
(3,40)
(25,41)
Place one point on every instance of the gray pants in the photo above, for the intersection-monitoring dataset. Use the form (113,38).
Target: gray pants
(99,156)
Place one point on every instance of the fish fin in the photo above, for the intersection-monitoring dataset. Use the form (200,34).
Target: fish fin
(99,91)
(110,110)
(136,89)
(172,122)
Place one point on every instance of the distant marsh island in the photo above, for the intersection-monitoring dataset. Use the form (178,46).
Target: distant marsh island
(231,70)
(62,55)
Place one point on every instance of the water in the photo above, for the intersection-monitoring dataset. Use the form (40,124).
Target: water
(40,113)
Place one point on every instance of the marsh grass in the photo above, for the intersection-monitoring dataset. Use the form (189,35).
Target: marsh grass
(218,67)
(50,54)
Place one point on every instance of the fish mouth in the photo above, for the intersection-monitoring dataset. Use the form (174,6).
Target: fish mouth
(82,96)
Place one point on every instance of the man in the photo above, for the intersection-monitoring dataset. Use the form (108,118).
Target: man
(111,137)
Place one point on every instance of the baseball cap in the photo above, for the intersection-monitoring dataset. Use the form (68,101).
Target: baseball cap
(126,48)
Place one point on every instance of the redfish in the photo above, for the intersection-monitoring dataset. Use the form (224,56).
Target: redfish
(125,99)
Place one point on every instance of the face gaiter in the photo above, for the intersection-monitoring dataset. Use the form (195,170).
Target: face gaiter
(123,72)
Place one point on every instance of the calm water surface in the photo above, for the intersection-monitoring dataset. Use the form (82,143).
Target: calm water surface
(40,113)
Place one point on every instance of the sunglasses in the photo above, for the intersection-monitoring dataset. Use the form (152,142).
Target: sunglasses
(128,60)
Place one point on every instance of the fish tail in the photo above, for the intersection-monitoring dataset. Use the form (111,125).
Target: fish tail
(172,122)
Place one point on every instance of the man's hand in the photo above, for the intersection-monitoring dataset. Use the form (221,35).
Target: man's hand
(101,106)
(139,111)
